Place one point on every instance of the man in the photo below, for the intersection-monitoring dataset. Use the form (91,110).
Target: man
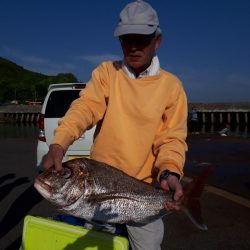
(141,116)
(194,121)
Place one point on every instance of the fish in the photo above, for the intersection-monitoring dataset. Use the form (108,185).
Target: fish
(98,192)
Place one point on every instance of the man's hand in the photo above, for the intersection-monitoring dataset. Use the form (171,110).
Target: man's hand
(172,184)
(54,158)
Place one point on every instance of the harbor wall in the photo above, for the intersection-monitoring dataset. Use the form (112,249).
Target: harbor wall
(213,113)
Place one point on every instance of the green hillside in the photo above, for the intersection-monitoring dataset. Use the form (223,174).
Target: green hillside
(23,85)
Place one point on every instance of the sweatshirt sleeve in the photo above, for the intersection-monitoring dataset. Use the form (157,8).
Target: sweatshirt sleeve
(85,111)
(169,145)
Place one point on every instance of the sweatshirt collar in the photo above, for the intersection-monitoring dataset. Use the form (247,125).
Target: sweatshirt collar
(152,70)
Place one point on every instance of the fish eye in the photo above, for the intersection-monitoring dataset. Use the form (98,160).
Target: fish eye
(67,173)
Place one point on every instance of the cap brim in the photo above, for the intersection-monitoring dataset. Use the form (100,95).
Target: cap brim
(134,29)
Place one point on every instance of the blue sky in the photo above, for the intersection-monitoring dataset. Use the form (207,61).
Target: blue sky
(206,43)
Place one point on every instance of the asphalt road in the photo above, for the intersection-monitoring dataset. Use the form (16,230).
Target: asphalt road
(228,219)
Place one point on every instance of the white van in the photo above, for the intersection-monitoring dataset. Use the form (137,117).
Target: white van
(56,103)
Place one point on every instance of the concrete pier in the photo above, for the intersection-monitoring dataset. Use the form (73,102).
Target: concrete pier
(22,117)
(20,113)
(224,116)
(209,113)
(218,113)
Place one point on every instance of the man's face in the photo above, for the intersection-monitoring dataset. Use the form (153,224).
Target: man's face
(139,50)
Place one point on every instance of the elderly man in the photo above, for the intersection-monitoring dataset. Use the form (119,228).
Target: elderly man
(141,116)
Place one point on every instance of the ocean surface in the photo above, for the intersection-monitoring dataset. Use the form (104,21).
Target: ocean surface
(15,130)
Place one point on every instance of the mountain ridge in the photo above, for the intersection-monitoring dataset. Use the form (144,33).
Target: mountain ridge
(18,83)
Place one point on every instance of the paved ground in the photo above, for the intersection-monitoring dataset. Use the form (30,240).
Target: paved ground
(227,215)
(229,155)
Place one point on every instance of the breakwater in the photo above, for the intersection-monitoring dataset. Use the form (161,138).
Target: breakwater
(208,113)
(219,113)
(20,113)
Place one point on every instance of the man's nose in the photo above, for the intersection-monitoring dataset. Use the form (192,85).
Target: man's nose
(133,48)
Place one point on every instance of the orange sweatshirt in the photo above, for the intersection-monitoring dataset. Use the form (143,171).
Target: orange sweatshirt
(143,121)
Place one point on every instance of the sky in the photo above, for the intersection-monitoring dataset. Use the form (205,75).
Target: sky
(206,43)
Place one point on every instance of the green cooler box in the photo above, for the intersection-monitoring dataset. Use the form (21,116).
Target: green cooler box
(46,234)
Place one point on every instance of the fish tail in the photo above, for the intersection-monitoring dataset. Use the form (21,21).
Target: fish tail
(192,193)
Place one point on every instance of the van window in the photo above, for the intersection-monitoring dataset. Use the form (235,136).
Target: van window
(59,102)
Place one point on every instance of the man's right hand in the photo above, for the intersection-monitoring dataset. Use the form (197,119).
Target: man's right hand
(54,158)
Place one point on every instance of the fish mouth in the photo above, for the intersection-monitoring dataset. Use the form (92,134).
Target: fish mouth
(43,188)
(42,184)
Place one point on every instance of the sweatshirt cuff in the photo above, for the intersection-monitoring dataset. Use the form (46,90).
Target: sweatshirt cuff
(172,168)
(63,139)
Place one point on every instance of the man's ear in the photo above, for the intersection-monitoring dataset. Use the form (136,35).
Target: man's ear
(158,41)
